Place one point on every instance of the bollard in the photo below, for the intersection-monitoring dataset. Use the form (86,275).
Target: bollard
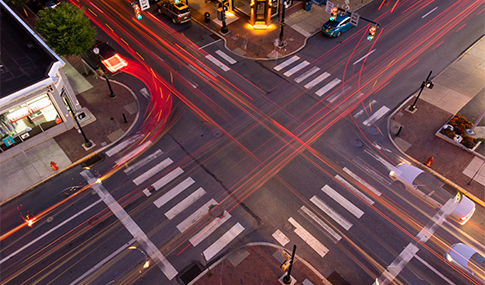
(429,160)
(207,17)
(54,166)
(124,118)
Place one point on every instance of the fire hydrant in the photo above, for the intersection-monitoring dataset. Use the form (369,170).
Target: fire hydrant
(429,160)
(54,166)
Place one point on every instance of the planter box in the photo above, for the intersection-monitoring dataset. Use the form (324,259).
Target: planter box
(472,151)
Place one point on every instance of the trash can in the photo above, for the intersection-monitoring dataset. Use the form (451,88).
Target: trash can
(207,17)
(308,5)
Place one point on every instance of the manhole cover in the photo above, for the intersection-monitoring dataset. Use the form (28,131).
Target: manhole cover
(357,143)
(373,131)
(216,134)
(50,219)
(216,211)
(287,227)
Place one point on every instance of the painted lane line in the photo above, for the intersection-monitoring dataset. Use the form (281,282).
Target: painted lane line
(307,74)
(209,229)
(360,162)
(204,46)
(133,153)
(123,144)
(180,207)
(354,210)
(308,238)
(286,63)
(50,231)
(280,237)
(358,114)
(355,190)
(154,170)
(217,62)
(173,192)
(313,218)
(223,241)
(434,270)
(317,80)
(102,262)
(226,57)
(129,170)
(131,226)
(331,212)
(167,178)
(361,181)
(362,58)
(376,116)
(296,68)
(337,94)
(384,162)
(432,10)
(328,87)
(197,215)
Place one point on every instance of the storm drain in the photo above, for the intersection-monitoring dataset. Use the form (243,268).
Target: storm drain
(190,273)
(93,160)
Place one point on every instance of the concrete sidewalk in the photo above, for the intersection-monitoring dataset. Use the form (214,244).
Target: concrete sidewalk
(459,89)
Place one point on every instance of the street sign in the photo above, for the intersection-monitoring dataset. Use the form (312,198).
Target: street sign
(354,19)
(329,7)
(144,4)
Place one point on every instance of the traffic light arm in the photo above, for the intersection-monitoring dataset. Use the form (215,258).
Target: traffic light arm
(365,19)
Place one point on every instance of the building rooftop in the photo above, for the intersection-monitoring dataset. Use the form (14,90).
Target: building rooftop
(23,61)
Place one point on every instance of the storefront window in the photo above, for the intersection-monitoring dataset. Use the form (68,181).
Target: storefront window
(27,120)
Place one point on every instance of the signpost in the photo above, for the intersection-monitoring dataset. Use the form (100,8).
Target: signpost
(354,19)
(144,4)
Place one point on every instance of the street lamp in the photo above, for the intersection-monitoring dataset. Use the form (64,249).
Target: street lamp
(112,95)
(427,84)
(87,143)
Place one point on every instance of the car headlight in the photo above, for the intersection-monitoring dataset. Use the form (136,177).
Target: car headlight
(449,258)
(391,173)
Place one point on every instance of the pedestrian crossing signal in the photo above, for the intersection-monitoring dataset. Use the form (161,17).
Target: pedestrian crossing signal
(333,14)
(372,32)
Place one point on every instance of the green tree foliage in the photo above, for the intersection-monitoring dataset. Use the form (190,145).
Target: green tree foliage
(17,3)
(66,29)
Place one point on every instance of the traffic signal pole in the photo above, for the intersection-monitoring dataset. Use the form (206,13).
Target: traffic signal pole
(287,278)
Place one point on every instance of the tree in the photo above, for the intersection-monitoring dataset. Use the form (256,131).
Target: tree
(18,4)
(66,30)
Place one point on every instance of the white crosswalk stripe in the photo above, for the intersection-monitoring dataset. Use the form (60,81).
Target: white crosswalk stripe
(286,63)
(154,170)
(143,162)
(317,80)
(307,74)
(209,229)
(217,62)
(185,203)
(173,192)
(331,212)
(305,212)
(223,241)
(195,216)
(226,57)
(296,68)
(308,238)
(355,190)
(167,178)
(361,181)
(342,201)
(133,153)
(328,87)
(376,116)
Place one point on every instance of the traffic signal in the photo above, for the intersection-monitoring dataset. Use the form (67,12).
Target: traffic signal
(428,84)
(333,14)
(372,32)
(225,5)
(137,9)
(176,1)
(287,262)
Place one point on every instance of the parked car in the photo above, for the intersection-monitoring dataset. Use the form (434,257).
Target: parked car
(467,259)
(178,12)
(110,59)
(414,178)
(336,27)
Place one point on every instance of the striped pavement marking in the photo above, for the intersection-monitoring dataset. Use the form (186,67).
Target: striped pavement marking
(305,212)
(296,68)
(142,162)
(189,221)
(360,162)
(286,63)
(317,80)
(307,74)
(328,87)
(355,190)
(167,178)
(122,145)
(331,212)
(154,170)
(217,62)
(376,116)
(280,237)
(133,153)
(223,241)
(361,181)
(173,192)
(180,207)
(209,229)
(354,210)
(226,57)
(308,238)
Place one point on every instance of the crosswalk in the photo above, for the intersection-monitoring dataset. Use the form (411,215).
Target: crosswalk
(219,63)
(175,194)
(325,212)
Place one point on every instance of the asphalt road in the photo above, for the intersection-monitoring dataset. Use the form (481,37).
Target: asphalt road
(261,146)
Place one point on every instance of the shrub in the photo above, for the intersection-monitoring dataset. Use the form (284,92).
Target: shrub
(448,133)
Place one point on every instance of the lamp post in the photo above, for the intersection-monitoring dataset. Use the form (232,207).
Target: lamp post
(87,143)
(426,83)
(282,21)
(112,95)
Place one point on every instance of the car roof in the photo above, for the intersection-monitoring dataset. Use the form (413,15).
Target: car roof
(407,172)
(461,253)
